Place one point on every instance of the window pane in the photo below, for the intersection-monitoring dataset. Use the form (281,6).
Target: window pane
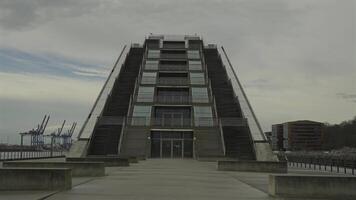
(195,65)
(193,54)
(200,95)
(153,54)
(197,78)
(151,65)
(141,115)
(145,94)
(203,116)
(149,78)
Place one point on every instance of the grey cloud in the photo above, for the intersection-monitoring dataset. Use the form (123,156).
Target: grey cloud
(22,15)
(288,52)
(262,84)
(347,96)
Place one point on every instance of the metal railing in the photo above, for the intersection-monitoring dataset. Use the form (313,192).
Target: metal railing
(185,122)
(23,155)
(172,122)
(122,134)
(332,164)
(173,56)
(164,67)
(173,81)
(174,46)
(240,95)
(173,99)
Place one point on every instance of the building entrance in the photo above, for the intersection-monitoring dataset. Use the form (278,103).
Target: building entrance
(166,144)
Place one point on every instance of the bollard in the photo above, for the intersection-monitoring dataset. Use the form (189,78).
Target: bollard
(310,161)
(314,164)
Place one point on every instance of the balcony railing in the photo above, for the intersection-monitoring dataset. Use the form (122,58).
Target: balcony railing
(173,67)
(173,56)
(172,122)
(186,122)
(173,81)
(174,46)
(173,99)
(161,122)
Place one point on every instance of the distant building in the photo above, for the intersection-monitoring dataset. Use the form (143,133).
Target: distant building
(297,135)
(277,137)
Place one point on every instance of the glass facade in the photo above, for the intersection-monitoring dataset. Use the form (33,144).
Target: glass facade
(172,116)
(155,54)
(200,95)
(173,95)
(145,94)
(173,87)
(141,115)
(203,116)
(197,78)
(151,65)
(149,78)
(195,65)
(193,54)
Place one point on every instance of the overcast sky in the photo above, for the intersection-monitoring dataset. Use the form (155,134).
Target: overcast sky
(296,58)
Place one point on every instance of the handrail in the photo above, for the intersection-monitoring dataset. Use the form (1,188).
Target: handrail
(222,136)
(131,101)
(99,96)
(220,126)
(122,134)
(261,136)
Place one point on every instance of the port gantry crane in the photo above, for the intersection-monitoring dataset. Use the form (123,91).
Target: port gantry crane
(67,137)
(37,137)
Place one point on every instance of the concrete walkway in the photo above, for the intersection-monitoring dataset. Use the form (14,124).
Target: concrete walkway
(159,179)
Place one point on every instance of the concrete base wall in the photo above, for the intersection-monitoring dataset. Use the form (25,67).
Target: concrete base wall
(312,186)
(135,142)
(253,166)
(208,143)
(78,168)
(263,151)
(133,159)
(108,161)
(35,179)
(79,148)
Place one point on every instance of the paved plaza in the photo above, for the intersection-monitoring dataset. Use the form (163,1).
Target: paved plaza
(164,179)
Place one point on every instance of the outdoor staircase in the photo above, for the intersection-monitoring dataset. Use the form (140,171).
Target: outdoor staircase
(105,138)
(238,142)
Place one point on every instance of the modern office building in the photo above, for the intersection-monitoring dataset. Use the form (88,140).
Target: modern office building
(172,97)
(297,135)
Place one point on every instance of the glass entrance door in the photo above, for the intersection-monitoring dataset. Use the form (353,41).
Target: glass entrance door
(171,144)
(177,148)
(166,149)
